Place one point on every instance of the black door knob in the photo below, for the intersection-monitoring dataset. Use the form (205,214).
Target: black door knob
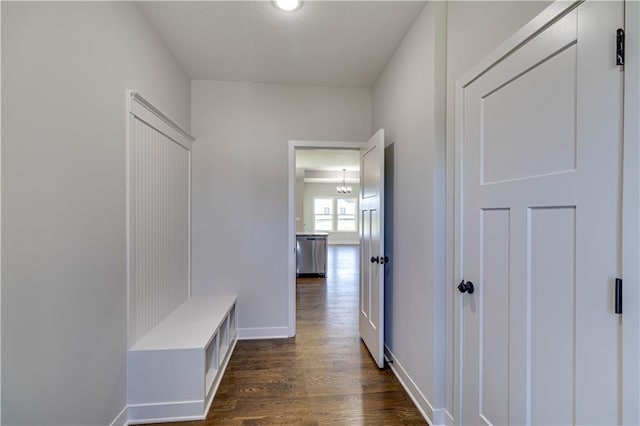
(465,287)
(375,259)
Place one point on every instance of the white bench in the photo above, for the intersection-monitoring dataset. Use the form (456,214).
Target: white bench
(174,371)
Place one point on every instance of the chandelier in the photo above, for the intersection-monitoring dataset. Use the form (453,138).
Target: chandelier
(344,189)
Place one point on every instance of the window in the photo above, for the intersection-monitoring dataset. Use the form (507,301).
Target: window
(323,214)
(335,214)
(346,214)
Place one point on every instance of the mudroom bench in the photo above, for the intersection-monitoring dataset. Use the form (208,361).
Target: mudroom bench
(175,369)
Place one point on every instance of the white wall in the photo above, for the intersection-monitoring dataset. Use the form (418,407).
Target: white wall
(66,67)
(328,190)
(408,102)
(240,173)
(410,99)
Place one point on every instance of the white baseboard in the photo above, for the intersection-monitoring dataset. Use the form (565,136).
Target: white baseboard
(263,333)
(418,398)
(166,412)
(121,419)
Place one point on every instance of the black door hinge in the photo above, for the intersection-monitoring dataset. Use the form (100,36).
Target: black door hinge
(620,46)
(618,302)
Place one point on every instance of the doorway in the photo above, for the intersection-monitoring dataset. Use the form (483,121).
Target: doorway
(371,238)
(322,209)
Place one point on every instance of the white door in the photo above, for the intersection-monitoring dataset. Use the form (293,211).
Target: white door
(540,205)
(372,257)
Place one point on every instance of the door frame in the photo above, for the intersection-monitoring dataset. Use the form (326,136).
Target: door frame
(631,219)
(291,224)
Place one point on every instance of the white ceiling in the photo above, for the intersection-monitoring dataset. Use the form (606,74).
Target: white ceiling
(325,43)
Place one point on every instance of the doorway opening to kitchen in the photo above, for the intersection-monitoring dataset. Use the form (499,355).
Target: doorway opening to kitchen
(324,266)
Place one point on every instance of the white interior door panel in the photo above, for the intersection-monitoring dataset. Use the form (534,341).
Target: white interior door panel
(540,225)
(371,311)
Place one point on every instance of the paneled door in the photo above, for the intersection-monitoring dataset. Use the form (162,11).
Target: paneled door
(540,157)
(372,259)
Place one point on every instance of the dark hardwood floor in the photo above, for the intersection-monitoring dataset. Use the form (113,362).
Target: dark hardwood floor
(322,376)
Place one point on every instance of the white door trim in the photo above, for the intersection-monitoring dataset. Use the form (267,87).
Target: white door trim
(631,219)
(0,227)
(291,273)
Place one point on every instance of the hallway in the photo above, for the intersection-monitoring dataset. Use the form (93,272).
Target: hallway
(324,375)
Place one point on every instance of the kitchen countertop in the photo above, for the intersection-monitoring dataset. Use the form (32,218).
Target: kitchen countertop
(312,234)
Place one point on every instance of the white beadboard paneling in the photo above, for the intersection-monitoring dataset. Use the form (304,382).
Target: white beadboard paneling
(159,224)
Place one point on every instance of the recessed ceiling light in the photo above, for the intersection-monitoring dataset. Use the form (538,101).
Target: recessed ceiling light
(288,5)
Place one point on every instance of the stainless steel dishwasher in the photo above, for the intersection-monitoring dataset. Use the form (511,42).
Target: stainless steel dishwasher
(311,253)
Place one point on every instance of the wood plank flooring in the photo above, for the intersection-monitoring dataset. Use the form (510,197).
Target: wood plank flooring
(322,376)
